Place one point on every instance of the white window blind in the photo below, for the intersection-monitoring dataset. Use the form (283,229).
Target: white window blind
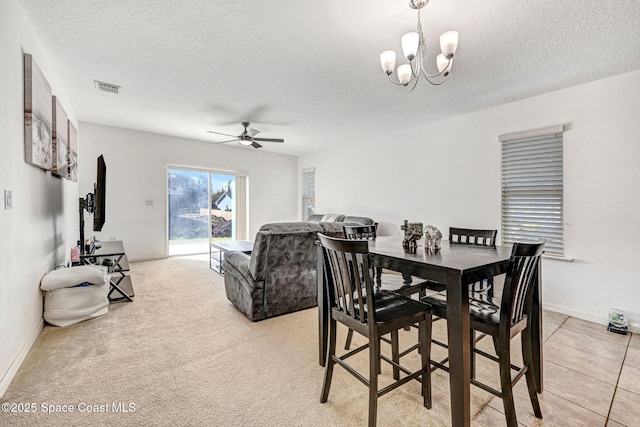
(532,188)
(308,192)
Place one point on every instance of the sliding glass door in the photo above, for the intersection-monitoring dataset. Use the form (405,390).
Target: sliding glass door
(203,206)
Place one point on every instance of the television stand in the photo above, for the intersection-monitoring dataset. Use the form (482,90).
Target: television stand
(112,255)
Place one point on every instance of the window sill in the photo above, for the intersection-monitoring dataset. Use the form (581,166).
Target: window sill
(558,257)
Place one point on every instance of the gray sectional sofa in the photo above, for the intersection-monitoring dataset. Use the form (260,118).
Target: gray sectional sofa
(280,274)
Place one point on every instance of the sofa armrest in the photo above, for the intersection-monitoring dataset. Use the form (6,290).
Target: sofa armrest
(237,264)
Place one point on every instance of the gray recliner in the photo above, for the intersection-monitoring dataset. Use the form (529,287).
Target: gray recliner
(280,274)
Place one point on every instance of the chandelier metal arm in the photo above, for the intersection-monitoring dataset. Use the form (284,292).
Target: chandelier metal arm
(442,73)
(420,69)
(410,89)
(395,82)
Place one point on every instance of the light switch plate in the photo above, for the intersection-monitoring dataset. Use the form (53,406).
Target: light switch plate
(8,199)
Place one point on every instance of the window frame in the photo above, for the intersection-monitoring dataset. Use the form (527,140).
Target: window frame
(308,192)
(532,188)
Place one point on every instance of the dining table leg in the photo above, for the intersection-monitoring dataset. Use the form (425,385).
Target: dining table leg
(458,334)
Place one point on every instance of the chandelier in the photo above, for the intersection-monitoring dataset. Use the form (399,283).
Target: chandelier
(415,50)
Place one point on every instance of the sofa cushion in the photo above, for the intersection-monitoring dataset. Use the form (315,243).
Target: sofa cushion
(332,217)
(334,229)
(361,220)
(315,218)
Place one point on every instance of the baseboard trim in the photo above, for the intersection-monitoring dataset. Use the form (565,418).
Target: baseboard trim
(577,314)
(17,362)
(602,320)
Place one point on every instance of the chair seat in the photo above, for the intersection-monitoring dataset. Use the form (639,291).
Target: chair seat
(391,306)
(483,308)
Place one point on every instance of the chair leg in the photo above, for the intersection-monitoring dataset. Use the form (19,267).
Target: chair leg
(472,346)
(425,350)
(505,382)
(395,354)
(374,366)
(527,356)
(330,363)
(347,343)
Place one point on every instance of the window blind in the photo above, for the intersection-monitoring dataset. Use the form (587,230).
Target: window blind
(308,192)
(532,189)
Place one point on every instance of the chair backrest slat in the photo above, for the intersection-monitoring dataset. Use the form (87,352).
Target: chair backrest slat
(519,284)
(469,236)
(347,270)
(359,231)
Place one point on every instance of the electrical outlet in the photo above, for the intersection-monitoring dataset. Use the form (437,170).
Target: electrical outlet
(149,202)
(112,238)
(8,199)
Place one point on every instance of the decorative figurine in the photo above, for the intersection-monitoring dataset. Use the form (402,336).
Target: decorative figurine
(433,238)
(412,233)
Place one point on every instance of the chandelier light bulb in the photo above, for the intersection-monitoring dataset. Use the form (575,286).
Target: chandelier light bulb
(444,64)
(388,61)
(410,43)
(449,43)
(404,73)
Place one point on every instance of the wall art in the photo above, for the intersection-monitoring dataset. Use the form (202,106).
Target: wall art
(72,159)
(37,115)
(60,146)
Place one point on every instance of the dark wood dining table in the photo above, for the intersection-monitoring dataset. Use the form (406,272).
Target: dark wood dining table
(455,266)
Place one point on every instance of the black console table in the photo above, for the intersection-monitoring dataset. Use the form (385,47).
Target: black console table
(112,255)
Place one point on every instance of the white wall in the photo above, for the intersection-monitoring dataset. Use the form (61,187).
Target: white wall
(136,172)
(448,174)
(42,226)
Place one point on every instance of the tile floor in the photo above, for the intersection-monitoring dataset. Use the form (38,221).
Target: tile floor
(592,378)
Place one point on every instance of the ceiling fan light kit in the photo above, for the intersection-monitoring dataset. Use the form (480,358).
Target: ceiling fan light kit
(247,137)
(415,50)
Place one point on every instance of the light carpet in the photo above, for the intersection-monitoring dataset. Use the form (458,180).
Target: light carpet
(182,355)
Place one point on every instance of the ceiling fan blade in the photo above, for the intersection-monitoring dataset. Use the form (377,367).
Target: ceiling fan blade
(220,133)
(222,142)
(269,139)
(252,132)
(255,145)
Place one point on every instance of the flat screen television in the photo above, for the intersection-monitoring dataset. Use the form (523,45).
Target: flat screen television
(99,195)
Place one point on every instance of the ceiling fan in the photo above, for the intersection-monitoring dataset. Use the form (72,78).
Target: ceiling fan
(247,137)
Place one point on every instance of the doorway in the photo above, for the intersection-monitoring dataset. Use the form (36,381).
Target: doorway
(203,206)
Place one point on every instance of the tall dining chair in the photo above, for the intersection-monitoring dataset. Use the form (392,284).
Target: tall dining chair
(469,236)
(355,302)
(472,237)
(390,281)
(503,319)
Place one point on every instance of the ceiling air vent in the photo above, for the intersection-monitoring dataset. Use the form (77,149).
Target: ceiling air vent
(107,87)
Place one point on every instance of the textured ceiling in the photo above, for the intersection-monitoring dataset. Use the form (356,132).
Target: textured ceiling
(309,71)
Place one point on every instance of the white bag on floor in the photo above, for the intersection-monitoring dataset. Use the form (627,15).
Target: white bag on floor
(64,306)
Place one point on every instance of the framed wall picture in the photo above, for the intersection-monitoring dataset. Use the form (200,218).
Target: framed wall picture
(37,116)
(60,146)
(72,160)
